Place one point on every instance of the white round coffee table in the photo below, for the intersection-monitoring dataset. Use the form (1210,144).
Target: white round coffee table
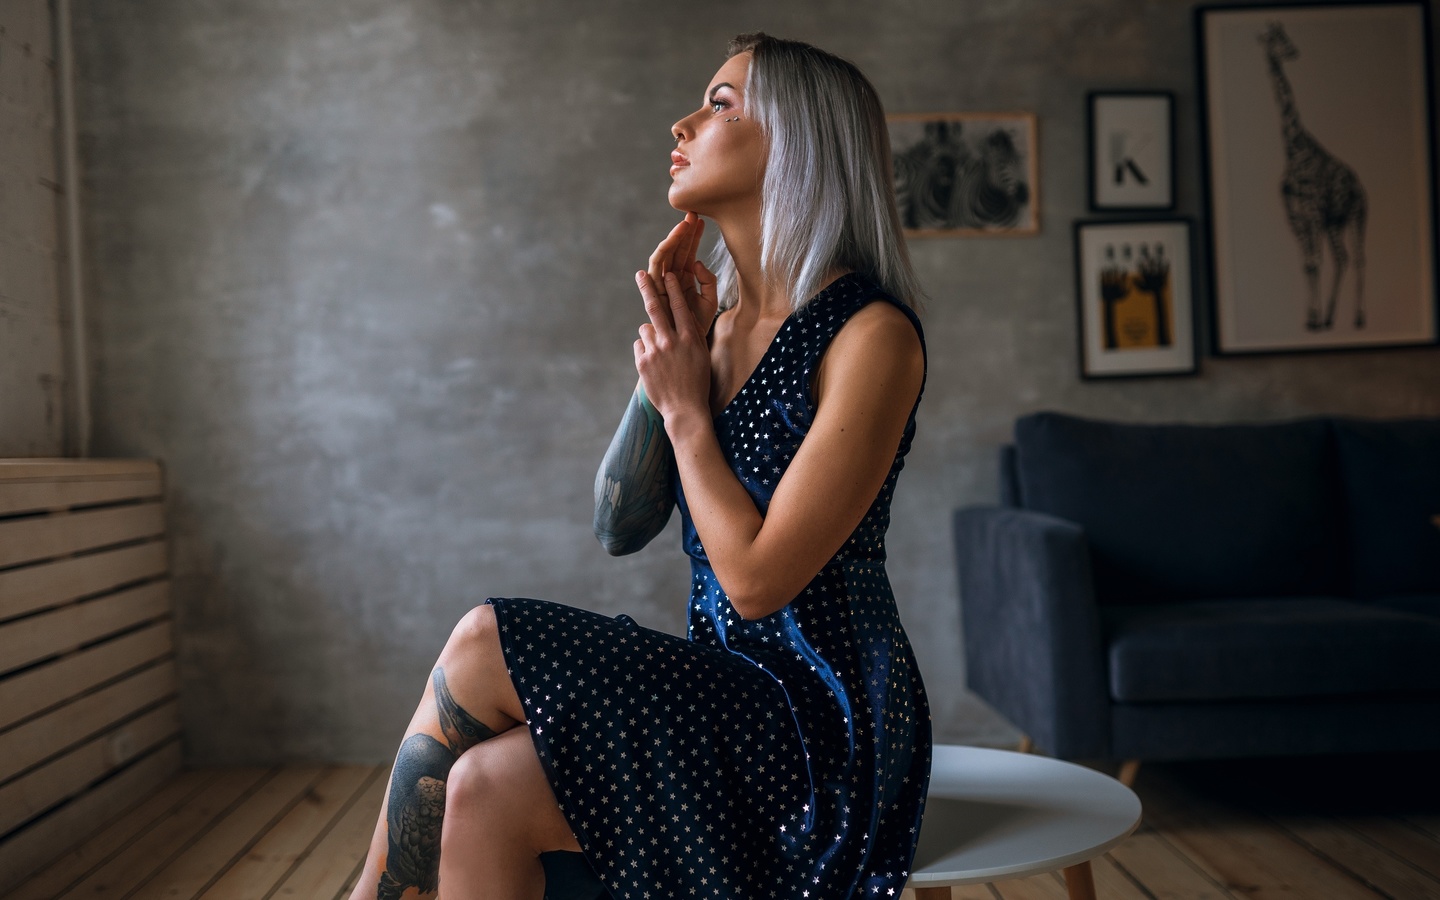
(996,814)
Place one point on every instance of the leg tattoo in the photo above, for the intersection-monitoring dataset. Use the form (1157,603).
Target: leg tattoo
(462,730)
(416,805)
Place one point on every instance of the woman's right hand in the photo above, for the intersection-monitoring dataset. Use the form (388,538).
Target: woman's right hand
(677,254)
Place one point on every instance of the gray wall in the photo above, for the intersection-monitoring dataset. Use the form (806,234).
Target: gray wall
(360,274)
(32,415)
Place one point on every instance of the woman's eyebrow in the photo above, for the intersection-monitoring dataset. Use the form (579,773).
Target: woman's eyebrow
(723,84)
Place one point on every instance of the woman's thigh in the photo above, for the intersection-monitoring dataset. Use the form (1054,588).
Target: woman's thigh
(498,791)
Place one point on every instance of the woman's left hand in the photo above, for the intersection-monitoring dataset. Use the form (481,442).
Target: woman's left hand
(671,354)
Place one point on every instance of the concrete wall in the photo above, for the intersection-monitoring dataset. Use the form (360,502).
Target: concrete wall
(361,276)
(32,419)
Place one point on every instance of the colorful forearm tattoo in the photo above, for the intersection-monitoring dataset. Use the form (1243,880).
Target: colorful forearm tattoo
(634,492)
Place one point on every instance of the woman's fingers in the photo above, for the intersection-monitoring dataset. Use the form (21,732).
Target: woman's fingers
(656,308)
(680,312)
(692,243)
(667,253)
(707,294)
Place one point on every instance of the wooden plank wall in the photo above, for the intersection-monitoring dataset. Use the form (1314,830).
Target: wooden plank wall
(89,721)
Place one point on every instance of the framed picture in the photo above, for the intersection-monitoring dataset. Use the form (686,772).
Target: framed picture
(1133,287)
(965,174)
(1319,175)
(1132,150)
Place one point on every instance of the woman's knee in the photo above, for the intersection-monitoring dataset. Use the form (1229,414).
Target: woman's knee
(482,793)
(477,631)
(498,788)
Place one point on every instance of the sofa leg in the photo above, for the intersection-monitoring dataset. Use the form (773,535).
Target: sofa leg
(1026,745)
(1128,770)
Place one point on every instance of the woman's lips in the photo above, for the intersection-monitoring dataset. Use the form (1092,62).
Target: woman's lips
(678,160)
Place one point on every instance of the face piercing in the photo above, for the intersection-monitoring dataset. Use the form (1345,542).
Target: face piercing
(736,119)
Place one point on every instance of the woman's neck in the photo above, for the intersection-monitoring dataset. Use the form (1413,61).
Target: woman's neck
(759,297)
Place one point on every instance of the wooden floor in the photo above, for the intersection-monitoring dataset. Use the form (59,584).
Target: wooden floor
(1332,829)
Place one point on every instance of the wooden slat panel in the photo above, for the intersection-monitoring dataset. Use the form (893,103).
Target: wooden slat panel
(28,850)
(266,863)
(42,687)
(51,468)
(48,735)
(62,581)
(153,850)
(115,837)
(192,871)
(1375,865)
(25,641)
(46,537)
(324,872)
(34,496)
(74,772)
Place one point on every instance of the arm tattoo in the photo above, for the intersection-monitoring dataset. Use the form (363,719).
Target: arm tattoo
(416,807)
(634,489)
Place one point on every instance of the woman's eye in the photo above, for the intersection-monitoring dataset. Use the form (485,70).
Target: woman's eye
(717,106)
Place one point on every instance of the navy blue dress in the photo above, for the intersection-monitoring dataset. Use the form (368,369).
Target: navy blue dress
(783,757)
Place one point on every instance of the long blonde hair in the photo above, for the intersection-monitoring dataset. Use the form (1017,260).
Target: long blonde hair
(828,199)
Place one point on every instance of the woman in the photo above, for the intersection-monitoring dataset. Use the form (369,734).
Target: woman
(783,750)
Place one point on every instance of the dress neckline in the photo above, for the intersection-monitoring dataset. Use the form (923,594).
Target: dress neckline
(775,340)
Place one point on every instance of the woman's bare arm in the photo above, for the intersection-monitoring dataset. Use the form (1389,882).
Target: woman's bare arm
(634,488)
(868,382)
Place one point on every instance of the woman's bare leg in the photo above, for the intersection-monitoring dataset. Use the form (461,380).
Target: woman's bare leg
(503,815)
(469,699)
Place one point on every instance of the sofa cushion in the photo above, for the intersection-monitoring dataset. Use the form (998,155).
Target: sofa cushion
(1391,476)
(1176,512)
(1415,604)
(1268,648)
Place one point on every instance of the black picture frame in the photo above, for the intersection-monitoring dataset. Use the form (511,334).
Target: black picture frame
(1293,96)
(1130,141)
(1125,327)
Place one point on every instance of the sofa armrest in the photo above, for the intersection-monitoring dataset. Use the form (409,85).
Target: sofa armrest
(1032,628)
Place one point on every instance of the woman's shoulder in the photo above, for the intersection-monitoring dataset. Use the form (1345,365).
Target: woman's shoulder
(881,320)
(880,340)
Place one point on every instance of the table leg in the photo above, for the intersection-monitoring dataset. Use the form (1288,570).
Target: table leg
(932,893)
(1080,882)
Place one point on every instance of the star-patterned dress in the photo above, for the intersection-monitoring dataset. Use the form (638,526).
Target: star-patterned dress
(785,757)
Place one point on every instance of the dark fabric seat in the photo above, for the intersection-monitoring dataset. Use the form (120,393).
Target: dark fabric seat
(1268,649)
(1191,591)
(1419,604)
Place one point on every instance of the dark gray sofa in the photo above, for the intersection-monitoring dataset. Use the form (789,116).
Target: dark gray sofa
(1152,592)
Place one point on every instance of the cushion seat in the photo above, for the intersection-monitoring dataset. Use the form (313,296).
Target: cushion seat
(1243,649)
(1417,604)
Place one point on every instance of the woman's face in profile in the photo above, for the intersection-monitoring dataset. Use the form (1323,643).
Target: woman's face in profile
(719,157)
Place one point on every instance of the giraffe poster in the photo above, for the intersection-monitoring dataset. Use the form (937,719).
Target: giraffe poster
(960,174)
(1319,175)
(1135,308)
